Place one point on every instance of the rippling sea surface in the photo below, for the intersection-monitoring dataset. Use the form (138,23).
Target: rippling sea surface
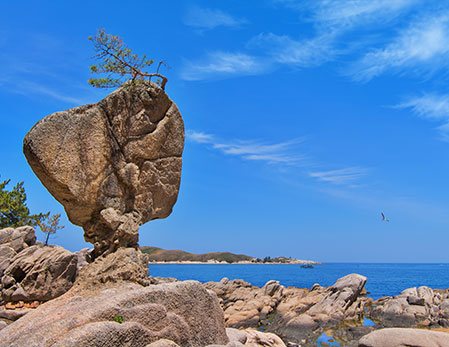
(383,279)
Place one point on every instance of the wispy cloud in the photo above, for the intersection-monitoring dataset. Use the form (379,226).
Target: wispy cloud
(341,176)
(423,46)
(222,65)
(345,14)
(387,29)
(303,53)
(208,18)
(434,107)
(26,88)
(284,154)
(272,153)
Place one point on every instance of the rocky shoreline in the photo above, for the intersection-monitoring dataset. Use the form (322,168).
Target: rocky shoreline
(116,165)
(297,262)
(82,301)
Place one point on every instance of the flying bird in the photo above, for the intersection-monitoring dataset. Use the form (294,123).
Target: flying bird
(383,217)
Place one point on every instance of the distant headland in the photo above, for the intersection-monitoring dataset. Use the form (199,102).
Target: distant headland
(167,256)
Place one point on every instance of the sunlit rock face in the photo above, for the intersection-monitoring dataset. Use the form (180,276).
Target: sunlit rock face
(113,165)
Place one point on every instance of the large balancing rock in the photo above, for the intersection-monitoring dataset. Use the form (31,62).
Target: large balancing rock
(113,165)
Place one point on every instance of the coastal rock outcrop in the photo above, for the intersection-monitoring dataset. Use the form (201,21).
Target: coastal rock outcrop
(113,165)
(39,273)
(302,314)
(401,337)
(12,241)
(30,271)
(245,305)
(123,314)
(414,307)
(295,314)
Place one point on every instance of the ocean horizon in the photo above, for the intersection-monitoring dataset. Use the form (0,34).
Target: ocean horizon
(384,279)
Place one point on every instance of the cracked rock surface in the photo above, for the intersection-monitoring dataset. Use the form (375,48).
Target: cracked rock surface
(113,165)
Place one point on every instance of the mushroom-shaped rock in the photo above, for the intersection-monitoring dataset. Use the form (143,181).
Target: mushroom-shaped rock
(113,165)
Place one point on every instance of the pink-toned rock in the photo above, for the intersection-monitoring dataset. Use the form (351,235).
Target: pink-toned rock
(113,165)
(182,312)
(401,337)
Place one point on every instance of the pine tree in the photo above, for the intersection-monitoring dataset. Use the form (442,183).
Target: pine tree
(119,63)
(13,210)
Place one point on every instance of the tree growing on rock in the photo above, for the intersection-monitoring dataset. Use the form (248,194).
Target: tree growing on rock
(13,210)
(119,63)
(51,226)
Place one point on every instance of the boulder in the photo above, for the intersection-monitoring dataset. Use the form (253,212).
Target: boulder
(12,241)
(305,314)
(245,305)
(123,314)
(258,338)
(397,337)
(18,238)
(163,343)
(38,273)
(236,335)
(113,165)
(414,307)
(124,265)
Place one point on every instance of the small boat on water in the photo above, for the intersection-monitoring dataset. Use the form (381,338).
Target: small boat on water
(307,266)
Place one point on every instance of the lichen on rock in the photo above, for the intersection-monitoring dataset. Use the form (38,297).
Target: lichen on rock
(113,165)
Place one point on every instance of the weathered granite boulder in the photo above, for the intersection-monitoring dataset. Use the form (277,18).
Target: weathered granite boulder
(397,337)
(123,314)
(124,265)
(38,273)
(414,307)
(245,305)
(302,314)
(251,338)
(113,165)
(13,241)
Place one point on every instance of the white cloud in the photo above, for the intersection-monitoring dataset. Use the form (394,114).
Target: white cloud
(423,46)
(199,137)
(207,18)
(223,64)
(341,176)
(355,12)
(280,153)
(434,107)
(303,53)
(430,106)
(26,88)
(332,21)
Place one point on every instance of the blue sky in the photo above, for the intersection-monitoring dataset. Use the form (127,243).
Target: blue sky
(304,119)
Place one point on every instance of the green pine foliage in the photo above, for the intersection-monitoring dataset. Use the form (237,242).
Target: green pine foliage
(13,210)
(119,64)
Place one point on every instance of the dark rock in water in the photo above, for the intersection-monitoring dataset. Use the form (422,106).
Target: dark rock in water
(113,165)
(123,314)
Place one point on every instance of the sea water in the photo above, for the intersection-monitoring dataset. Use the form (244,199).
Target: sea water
(384,279)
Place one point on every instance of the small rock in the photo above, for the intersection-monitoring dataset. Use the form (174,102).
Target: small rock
(414,300)
(163,343)
(236,335)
